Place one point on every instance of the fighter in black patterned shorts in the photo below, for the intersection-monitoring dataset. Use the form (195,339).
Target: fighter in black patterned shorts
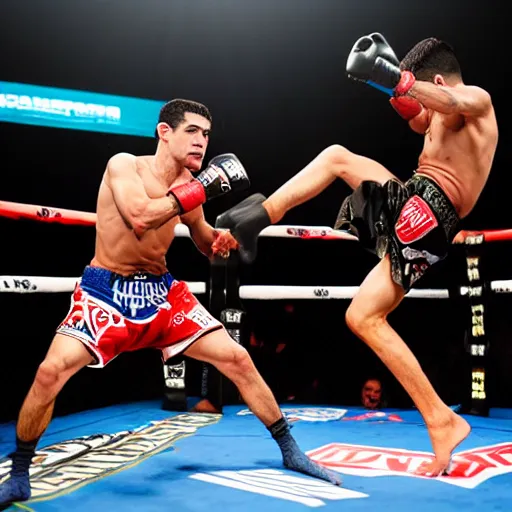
(409,226)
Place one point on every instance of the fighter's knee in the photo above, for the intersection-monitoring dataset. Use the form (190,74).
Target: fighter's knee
(338,160)
(336,154)
(358,321)
(238,364)
(242,360)
(49,373)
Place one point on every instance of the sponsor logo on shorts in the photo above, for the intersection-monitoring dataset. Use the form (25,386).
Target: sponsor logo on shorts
(468,468)
(415,221)
(62,467)
(199,315)
(136,297)
(89,319)
(414,254)
(415,271)
(314,414)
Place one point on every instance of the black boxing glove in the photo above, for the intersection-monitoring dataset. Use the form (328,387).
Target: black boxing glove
(374,62)
(224,173)
(245,221)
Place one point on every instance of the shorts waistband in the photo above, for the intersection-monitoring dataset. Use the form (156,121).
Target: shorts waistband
(136,296)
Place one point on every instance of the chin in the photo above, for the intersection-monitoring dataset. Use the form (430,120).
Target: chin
(193,165)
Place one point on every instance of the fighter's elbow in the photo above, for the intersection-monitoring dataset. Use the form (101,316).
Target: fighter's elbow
(139,229)
(137,218)
(481,104)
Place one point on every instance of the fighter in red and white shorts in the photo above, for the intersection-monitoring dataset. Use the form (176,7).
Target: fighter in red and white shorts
(127,300)
(111,314)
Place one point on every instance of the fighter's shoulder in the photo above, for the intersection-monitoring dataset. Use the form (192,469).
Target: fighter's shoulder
(120,160)
(121,164)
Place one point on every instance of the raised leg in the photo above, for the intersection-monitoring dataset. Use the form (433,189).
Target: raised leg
(333,162)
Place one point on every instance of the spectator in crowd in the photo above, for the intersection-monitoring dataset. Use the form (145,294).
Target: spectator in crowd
(371,394)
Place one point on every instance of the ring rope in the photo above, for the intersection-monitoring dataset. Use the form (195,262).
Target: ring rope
(46,214)
(73,217)
(322,292)
(40,284)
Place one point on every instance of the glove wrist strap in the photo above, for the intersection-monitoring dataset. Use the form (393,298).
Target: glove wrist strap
(189,195)
(407,80)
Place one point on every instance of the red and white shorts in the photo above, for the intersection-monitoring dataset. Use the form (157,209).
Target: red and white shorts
(111,314)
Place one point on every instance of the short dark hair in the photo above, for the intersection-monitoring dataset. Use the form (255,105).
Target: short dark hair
(429,58)
(173,112)
(372,377)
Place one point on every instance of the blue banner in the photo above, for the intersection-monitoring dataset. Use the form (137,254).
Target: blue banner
(77,110)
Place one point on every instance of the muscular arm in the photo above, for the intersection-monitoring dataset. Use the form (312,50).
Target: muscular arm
(466,100)
(138,210)
(203,235)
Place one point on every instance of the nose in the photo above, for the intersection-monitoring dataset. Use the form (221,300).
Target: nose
(199,140)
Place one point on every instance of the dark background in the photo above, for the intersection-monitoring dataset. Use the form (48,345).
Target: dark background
(272,73)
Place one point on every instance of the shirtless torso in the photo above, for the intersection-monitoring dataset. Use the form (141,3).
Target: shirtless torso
(458,153)
(118,248)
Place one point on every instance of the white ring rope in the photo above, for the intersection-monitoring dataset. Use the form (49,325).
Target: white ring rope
(38,284)
(322,292)
(501,286)
(35,284)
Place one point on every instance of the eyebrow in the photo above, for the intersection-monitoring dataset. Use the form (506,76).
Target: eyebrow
(209,130)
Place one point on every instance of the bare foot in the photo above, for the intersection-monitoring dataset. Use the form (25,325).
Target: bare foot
(445,437)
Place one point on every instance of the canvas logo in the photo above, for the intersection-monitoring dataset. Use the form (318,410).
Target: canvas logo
(62,467)
(374,416)
(277,484)
(468,469)
(316,414)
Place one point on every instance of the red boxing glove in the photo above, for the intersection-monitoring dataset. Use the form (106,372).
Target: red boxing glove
(223,174)
(189,195)
(406,106)
(406,82)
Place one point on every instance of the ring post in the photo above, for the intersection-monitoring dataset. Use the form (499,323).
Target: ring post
(476,339)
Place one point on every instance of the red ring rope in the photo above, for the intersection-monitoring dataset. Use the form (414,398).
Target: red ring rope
(73,217)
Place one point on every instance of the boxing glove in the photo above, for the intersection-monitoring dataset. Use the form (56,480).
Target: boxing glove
(374,62)
(245,221)
(224,174)
(406,106)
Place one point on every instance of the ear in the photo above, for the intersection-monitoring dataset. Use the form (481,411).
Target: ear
(163,130)
(439,80)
